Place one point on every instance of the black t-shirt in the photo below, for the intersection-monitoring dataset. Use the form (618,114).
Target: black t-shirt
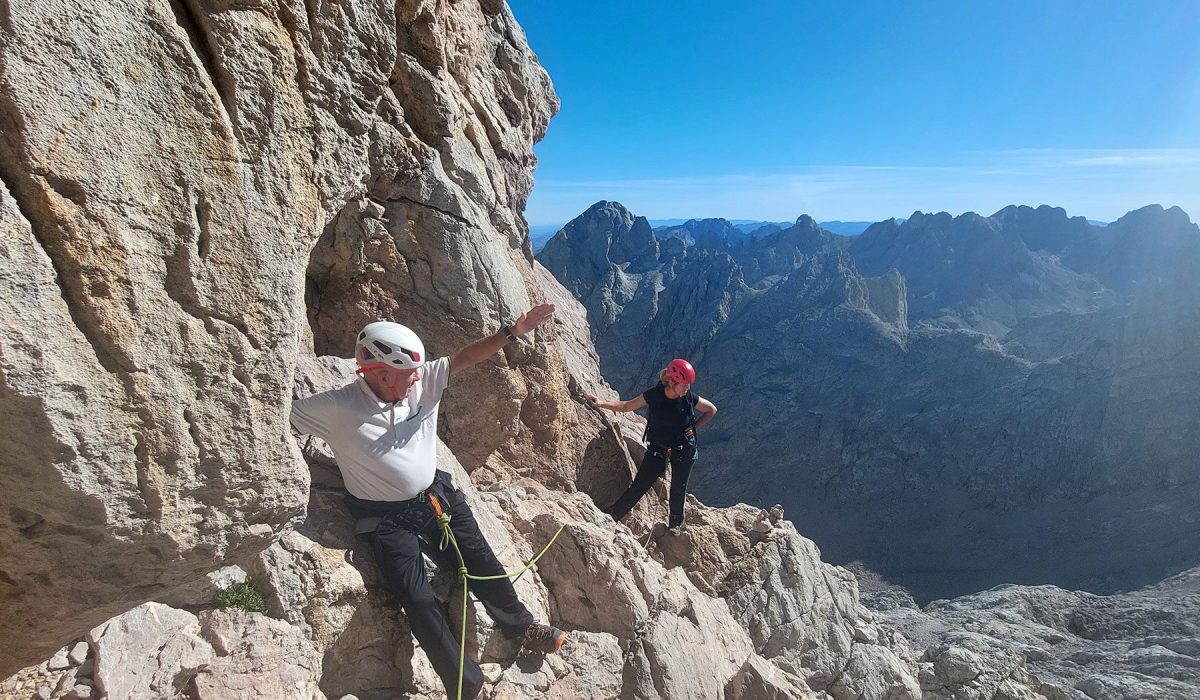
(668,419)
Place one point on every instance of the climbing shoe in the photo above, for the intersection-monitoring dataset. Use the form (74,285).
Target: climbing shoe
(545,639)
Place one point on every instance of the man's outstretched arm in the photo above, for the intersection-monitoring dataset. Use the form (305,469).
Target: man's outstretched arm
(484,348)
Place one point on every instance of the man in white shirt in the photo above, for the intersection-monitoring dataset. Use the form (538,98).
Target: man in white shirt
(383,431)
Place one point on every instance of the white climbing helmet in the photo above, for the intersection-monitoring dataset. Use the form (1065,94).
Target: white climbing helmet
(391,345)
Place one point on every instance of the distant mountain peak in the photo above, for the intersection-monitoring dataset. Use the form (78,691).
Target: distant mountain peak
(1174,217)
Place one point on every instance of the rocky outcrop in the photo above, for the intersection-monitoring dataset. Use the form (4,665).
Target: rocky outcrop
(875,410)
(155,218)
(1141,644)
(156,651)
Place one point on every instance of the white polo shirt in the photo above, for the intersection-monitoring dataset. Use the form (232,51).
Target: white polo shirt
(386,452)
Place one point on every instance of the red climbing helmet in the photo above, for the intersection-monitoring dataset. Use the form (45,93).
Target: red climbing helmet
(681,372)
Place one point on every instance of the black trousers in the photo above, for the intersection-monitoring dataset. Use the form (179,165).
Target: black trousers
(396,544)
(653,464)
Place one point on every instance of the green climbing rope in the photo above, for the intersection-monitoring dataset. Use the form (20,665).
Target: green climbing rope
(443,521)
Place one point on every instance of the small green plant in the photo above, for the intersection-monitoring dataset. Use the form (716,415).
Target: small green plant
(244,596)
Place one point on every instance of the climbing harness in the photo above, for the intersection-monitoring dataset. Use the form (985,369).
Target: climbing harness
(443,521)
(664,453)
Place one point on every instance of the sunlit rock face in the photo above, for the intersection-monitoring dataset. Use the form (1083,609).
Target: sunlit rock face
(957,401)
(159,201)
(167,171)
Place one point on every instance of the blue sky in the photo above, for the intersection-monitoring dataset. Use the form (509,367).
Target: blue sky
(862,111)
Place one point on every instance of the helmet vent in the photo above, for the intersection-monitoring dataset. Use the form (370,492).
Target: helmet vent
(383,347)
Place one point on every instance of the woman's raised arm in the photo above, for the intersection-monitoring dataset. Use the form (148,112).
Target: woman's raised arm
(624,406)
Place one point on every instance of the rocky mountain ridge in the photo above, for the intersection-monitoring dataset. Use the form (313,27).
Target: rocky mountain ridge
(880,410)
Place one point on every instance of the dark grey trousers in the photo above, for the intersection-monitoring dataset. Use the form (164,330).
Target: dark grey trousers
(396,545)
(653,464)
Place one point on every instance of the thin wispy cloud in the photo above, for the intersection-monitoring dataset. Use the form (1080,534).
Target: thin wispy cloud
(1159,160)
(1100,184)
(1104,158)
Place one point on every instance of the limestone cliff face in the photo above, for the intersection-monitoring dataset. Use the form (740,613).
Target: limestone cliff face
(167,169)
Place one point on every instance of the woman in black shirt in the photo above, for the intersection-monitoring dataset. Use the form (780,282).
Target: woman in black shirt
(671,432)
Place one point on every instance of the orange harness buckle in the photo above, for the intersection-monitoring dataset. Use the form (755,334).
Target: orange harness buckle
(437,505)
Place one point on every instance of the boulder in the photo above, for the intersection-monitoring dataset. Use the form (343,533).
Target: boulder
(149,652)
